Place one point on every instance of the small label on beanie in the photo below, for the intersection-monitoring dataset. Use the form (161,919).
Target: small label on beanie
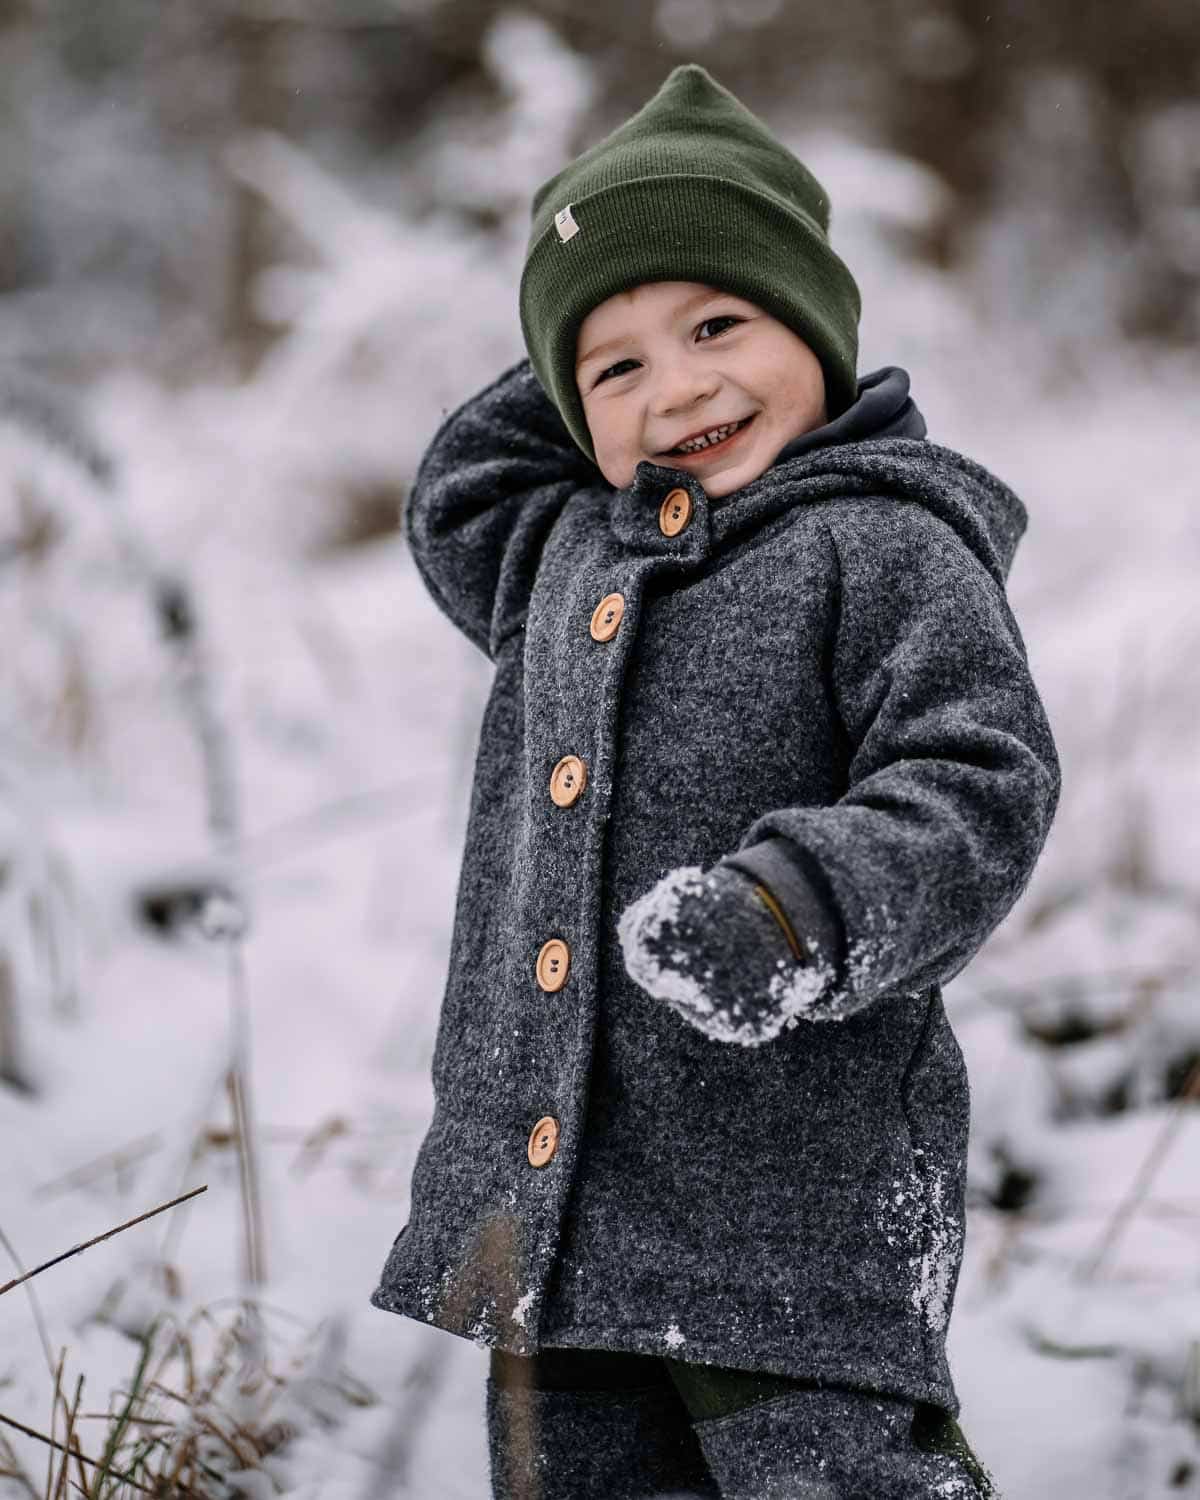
(565,223)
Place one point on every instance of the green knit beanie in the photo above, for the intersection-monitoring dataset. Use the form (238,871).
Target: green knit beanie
(691,188)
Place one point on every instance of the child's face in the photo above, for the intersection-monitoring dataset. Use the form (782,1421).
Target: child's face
(671,359)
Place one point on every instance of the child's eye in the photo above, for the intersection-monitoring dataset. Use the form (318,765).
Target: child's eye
(724,318)
(604,374)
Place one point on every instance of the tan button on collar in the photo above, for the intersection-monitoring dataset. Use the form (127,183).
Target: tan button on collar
(675,512)
(553,962)
(543,1141)
(606,617)
(567,780)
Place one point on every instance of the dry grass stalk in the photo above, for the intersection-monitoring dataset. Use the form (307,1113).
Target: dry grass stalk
(41,1437)
(1128,1207)
(12,1068)
(253,1269)
(107,1235)
(10,1468)
(71,1439)
(58,1369)
(117,1160)
(35,1309)
(219,1425)
(316,1142)
(313,1142)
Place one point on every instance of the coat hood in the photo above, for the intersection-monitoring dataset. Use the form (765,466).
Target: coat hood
(876,447)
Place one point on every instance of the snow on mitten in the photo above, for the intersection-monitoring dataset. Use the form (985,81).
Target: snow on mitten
(711,945)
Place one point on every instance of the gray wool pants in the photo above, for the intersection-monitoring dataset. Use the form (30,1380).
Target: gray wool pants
(633,1433)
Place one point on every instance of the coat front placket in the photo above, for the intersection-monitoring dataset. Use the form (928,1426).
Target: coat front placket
(581,635)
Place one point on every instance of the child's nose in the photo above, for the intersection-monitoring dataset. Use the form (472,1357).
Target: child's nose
(682,386)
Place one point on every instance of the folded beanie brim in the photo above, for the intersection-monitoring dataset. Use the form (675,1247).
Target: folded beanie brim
(644,230)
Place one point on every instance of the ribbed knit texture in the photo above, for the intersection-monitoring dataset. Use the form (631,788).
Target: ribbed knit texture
(693,187)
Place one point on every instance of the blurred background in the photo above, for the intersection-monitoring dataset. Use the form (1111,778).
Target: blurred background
(251,252)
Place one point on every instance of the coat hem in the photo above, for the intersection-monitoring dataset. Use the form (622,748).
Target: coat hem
(875,1374)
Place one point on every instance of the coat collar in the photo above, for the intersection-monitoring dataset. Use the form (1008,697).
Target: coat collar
(877,446)
(883,408)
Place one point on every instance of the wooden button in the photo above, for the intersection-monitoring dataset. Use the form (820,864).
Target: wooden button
(553,962)
(567,780)
(606,617)
(543,1141)
(675,512)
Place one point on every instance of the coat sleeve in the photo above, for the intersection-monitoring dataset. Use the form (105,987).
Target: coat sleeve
(953,776)
(489,488)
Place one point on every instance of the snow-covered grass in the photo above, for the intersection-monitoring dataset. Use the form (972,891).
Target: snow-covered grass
(342,710)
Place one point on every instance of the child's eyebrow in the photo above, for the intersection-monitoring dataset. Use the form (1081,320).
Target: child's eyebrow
(700,300)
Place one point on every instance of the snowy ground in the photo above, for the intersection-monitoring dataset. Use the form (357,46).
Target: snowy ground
(341,676)
(349,709)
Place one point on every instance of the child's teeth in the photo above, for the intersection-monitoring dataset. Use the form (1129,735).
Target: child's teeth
(716,435)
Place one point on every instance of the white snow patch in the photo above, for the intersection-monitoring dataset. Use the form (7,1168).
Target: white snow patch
(940,1259)
(915,1216)
(956,1488)
(481,1334)
(674,1339)
(522,1307)
(866,958)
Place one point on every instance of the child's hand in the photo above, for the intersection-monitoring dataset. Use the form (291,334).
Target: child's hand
(709,944)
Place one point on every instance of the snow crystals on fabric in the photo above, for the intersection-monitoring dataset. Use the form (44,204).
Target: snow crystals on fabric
(806,992)
(675,1339)
(940,1258)
(956,1488)
(644,921)
(913,1216)
(481,1334)
(867,958)
(522,1307)
(717,1010)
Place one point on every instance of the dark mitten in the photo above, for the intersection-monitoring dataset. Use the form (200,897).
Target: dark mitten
(718,949)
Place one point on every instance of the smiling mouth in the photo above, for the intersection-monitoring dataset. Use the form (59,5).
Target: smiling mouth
(716,437)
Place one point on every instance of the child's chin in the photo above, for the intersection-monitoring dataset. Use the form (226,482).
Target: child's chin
(717,486)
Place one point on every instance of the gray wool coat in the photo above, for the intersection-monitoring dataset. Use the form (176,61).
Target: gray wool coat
(816,681)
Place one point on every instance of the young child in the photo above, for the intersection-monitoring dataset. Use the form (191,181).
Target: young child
(761,768)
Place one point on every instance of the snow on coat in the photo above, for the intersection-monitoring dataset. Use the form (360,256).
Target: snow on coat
(815,681)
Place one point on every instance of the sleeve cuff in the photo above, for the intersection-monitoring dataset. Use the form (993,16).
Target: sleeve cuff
(800,891)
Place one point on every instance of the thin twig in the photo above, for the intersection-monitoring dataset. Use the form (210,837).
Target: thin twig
(1153,1159)
(62,1355)
(106,1416)
(12,1468)
(35,1307)
(117,1432)
(107,1235)
(82,1457)
(72,1442)
(83,1484)
(120,1156)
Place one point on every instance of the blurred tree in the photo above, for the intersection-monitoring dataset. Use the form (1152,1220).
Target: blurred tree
(1063,133)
